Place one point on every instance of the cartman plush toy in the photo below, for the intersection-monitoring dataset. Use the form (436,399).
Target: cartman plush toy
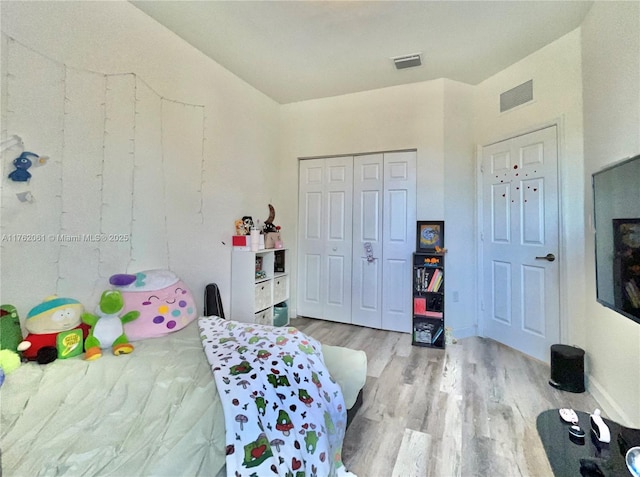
(55,330)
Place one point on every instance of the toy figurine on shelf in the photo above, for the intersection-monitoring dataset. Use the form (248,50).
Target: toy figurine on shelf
(268,224)
(247,222)
(271,232)
(239,227)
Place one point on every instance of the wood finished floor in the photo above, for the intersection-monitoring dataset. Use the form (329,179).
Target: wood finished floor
(468,411)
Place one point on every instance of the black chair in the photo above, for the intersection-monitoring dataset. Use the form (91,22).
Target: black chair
(212,301)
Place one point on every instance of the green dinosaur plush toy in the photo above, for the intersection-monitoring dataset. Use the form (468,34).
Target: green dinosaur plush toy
(107,329)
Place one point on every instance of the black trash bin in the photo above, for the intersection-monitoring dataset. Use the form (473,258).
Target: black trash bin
(567,368)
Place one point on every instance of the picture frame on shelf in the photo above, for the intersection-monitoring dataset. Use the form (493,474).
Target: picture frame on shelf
(430,235)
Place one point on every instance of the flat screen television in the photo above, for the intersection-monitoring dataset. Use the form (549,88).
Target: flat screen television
(616,215)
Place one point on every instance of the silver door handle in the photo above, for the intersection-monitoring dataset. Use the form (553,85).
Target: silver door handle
(548,257)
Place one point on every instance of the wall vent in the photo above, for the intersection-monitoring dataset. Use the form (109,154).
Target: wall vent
(516,96)
(407,61)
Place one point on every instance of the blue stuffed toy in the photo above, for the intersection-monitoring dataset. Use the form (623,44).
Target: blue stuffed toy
(22,163)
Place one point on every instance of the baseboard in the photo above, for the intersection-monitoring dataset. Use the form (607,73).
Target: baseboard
(459,333)
(609,405)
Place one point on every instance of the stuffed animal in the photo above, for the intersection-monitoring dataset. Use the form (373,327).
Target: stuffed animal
(247,221)
(21,164)
(107,330)
(164,301)
(55,330)
(240,227)
(9,361)
(10,331)
(10,338)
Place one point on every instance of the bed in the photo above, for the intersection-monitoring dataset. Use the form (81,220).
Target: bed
(153,412)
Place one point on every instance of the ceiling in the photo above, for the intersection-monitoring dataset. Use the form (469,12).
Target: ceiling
(299,50)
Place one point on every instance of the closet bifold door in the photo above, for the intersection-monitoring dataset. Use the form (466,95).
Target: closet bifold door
(398,239)
(325,238)
(356,225)
(368,189)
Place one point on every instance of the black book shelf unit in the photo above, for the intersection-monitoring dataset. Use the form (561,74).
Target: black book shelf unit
(428,300)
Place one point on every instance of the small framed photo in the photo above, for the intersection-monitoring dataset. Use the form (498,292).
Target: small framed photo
(430,235)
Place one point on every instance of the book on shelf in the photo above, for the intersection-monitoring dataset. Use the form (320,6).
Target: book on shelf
(435,337)
(438,283)
(436,280)
(419,306)
(423,277)
(432,314)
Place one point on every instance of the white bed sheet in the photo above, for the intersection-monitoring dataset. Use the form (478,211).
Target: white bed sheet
(153,412)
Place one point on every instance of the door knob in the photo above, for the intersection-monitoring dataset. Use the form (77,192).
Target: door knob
(548,257)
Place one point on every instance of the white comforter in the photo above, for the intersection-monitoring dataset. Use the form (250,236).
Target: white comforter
(153,412)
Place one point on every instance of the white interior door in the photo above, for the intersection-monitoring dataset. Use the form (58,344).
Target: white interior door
(520,228)
(325,231)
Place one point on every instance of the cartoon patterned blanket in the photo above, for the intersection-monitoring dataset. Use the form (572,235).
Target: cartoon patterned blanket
(284,414)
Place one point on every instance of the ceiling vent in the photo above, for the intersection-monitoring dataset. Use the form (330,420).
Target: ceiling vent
(408,61)
(516,96)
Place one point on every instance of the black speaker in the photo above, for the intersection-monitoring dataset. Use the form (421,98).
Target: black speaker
(567,368)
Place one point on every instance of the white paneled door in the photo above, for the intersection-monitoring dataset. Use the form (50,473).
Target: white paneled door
(370,222)
(368,193)
(521,300)
(325,228)
(399,240)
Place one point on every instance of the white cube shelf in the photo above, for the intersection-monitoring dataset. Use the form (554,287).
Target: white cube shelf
(252,296)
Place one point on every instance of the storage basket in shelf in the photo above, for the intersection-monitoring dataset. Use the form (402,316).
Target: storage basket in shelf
(280,314)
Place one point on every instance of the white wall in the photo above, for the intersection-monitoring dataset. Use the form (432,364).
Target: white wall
(146,136)
(557,91)
(401,117)
(611,79)
(459,207)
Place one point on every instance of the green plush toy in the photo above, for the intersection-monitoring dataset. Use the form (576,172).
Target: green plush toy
(9,361)
(10,331)
(107,329)
(10,338)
